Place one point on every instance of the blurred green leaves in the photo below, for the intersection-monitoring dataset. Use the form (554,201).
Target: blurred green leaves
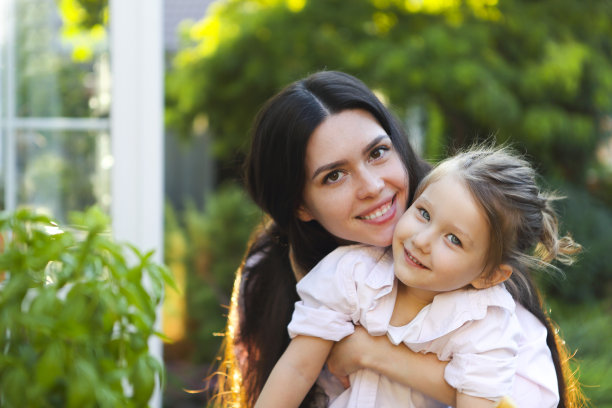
(76,311)
(209,244)
(537,73)
(85,26)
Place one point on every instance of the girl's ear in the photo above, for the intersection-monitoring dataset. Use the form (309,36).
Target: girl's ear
(499,275)
(303,214)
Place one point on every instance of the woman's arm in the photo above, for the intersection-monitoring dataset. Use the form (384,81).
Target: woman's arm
(422,372)
(468,401)
(295,373)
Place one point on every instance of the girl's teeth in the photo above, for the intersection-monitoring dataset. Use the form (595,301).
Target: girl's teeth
(378,213)
(414,260)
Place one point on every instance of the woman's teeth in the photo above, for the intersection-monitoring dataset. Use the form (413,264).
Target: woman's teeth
(379,212)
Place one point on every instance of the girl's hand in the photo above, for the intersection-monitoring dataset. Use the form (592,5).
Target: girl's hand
(346,355)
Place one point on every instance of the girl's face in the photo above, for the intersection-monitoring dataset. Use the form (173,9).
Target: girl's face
(441,242)
(356,186)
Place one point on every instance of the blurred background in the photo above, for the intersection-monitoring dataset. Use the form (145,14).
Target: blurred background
(536,74)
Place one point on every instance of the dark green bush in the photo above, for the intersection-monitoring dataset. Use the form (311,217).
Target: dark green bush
(585,327)
(589,222)
(76,312)
(216,238)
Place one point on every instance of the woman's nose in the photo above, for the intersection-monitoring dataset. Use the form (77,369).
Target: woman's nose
(371,184)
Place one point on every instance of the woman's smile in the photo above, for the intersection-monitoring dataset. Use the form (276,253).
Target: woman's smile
(381,213)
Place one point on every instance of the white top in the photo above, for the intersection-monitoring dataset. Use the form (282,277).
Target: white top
(477,331)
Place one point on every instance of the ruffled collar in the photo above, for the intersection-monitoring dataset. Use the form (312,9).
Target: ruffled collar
(449,311)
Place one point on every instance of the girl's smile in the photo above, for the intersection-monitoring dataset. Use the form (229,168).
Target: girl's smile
(410,259)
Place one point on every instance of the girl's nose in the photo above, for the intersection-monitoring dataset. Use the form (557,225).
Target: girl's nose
(371,184)
(422,241)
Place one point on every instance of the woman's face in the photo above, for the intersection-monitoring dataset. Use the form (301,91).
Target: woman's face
(356,186)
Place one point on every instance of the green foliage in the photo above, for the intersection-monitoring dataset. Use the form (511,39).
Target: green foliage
(538,73)
(84,14)
(85,26)
(76,312)
(589,222)
(216,239)
(583,328)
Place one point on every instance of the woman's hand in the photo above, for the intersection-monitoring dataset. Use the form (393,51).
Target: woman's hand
(423,372)
(346,355)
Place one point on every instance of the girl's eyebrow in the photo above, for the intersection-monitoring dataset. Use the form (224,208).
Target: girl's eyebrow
(333,165)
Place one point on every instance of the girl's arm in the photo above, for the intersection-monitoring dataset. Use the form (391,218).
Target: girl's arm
(422,372)
(294,373)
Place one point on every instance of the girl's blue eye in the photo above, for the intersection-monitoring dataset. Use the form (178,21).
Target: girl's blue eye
(454,240)
(424,214)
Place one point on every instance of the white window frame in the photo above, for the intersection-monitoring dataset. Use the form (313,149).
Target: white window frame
(136,126)
(137,110)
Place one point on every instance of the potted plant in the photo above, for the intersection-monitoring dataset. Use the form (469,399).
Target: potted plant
(76,313)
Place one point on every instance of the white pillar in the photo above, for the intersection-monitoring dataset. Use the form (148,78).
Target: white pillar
(136,52)
(8,149)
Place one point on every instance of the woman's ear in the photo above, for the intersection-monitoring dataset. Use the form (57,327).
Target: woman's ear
(499,275)
(303,214)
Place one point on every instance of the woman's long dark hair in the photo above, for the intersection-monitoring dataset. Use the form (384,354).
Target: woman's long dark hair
(275,177)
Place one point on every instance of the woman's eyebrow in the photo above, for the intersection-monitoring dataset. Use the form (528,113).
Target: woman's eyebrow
(333,165)
(374,143)
(326,167)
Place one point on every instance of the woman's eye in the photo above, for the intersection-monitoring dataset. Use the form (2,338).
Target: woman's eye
(424,214)
(332,177)
(378,152)
(454,240)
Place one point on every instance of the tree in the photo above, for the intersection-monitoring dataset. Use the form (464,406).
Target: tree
(538,73)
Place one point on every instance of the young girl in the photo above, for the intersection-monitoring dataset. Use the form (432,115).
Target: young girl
(474,223)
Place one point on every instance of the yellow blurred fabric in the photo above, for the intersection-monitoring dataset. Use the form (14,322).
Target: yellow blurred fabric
(506,402)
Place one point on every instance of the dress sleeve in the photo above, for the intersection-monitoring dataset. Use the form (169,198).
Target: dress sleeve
(484,361)
(328,307)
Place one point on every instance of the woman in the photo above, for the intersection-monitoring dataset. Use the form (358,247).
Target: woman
(330,165)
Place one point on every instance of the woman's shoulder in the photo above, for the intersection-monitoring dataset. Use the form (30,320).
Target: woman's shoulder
(354,254)
(358,251)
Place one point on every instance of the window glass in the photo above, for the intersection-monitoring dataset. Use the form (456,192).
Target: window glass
(54,106)
(60,67)
(63,171)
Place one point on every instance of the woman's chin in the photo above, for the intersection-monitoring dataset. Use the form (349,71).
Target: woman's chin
(379,241)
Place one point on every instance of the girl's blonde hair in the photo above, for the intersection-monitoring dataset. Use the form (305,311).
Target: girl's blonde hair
(524,233)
